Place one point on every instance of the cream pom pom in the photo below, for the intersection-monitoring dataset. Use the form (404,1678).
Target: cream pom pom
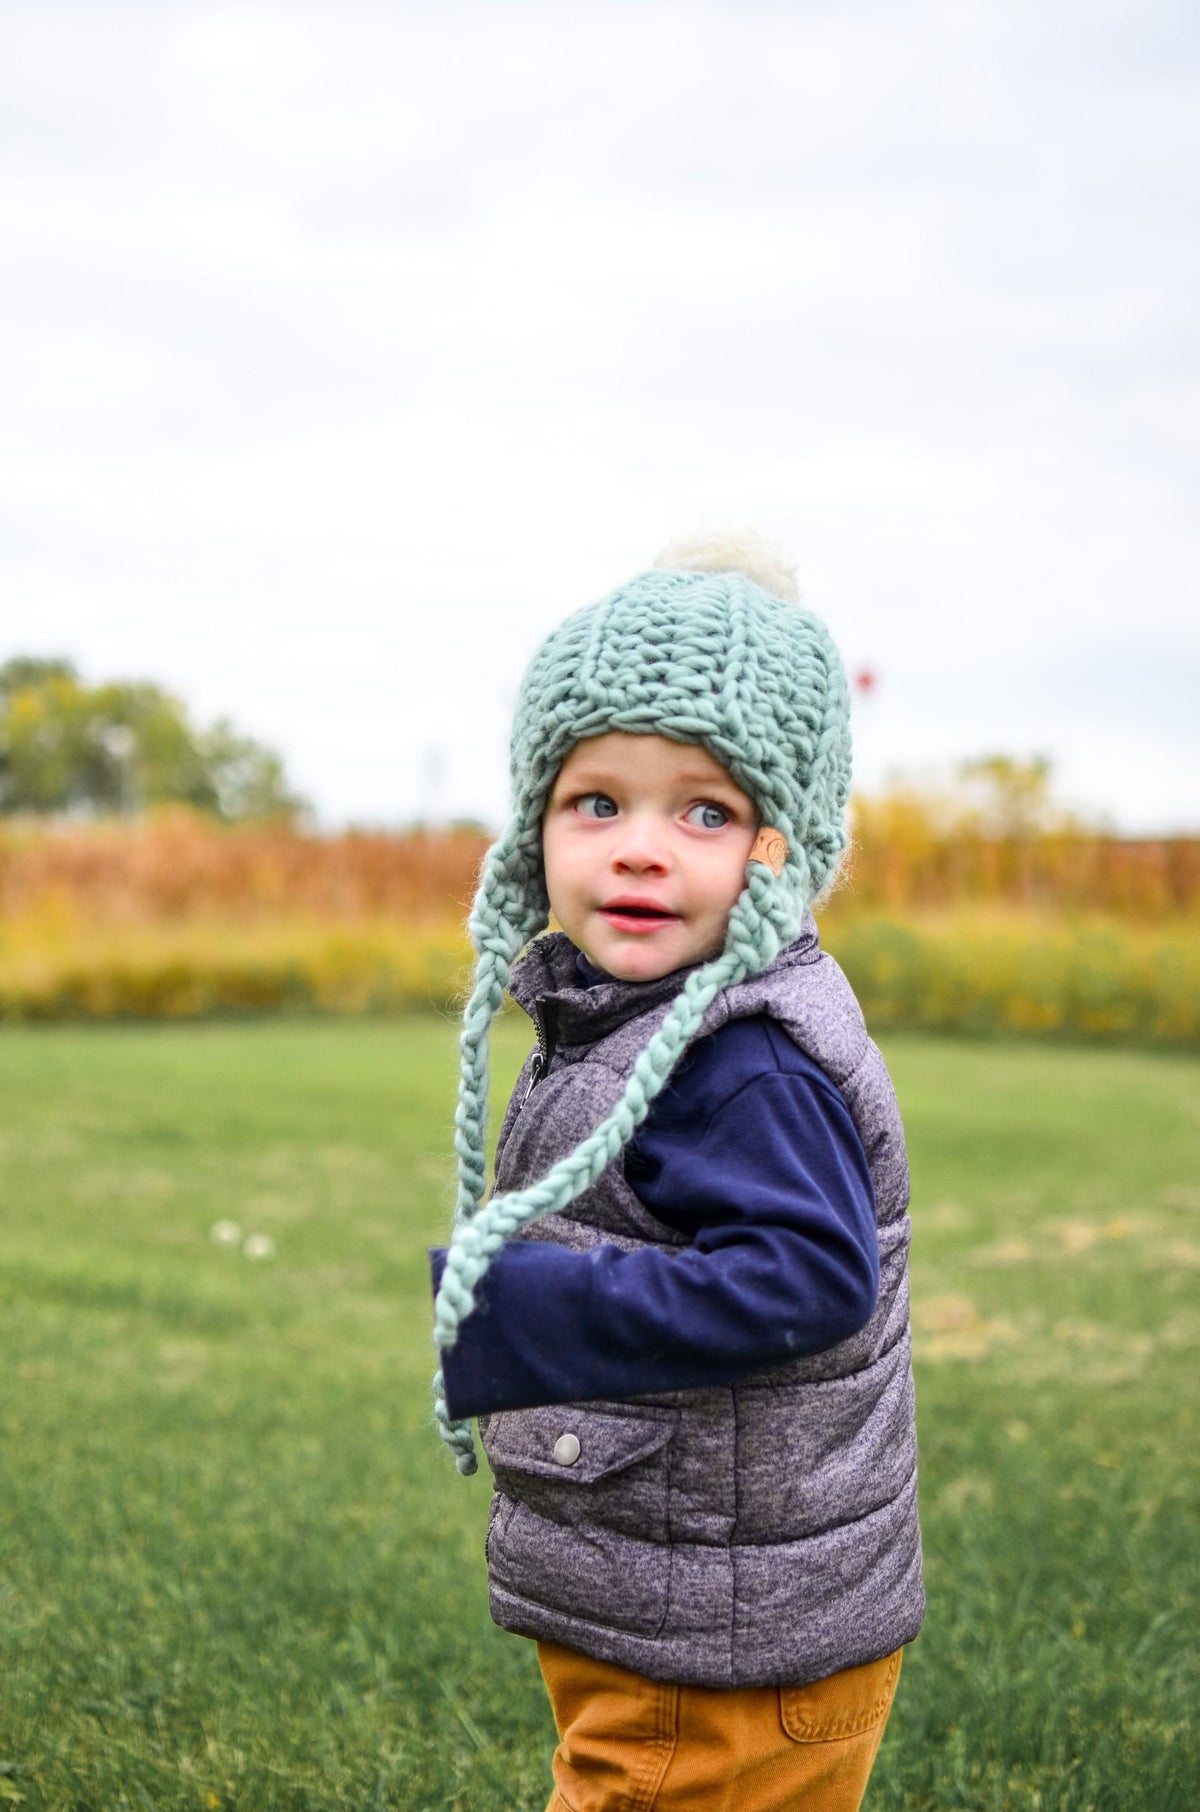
(735,550)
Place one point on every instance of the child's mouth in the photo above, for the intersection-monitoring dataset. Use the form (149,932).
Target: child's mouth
(636,915)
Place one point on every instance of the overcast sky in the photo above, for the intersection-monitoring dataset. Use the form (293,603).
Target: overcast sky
(346,347)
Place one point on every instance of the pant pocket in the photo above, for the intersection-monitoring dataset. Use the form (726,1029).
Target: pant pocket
(842,1705)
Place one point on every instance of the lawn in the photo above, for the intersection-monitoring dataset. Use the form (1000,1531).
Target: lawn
(238,1571)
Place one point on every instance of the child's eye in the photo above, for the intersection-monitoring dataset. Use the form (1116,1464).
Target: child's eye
(596,805)
(708,815)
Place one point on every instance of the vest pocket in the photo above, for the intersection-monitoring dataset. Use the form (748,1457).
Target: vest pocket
(581,1525)
(575,1445)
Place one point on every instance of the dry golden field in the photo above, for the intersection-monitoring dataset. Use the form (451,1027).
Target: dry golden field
(174,916)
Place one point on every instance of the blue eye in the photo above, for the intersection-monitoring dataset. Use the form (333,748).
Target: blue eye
(708,815)
(596,805)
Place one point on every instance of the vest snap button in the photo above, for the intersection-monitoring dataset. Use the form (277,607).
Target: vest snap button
(566,1449)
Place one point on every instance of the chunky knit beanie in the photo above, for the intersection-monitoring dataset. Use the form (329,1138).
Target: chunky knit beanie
(708,647)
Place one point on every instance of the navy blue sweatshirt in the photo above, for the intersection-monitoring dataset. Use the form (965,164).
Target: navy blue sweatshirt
(751,1152)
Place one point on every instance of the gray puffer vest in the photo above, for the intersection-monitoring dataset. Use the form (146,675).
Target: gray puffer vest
(761,1532)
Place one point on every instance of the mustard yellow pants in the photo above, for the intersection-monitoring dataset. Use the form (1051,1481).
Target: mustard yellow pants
(629,1744)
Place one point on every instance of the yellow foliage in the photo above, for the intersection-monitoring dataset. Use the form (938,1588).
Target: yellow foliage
(1052,933)
(999,973)
(200,968)
(911,853)
(1022,972)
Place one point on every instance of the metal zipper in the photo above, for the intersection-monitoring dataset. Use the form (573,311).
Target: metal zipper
(544,1026)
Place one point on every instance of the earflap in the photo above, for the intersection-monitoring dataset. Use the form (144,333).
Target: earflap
(510,907)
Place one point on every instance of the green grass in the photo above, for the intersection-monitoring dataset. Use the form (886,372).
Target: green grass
(237,1571)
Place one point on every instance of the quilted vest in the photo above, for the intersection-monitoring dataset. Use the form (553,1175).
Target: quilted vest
(759,1532)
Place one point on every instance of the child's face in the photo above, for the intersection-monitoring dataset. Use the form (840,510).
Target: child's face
(645,843)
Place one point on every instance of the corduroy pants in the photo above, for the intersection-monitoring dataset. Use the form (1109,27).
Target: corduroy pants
(629,1744)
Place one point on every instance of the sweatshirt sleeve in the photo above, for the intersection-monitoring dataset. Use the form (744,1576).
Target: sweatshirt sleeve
(753,1156)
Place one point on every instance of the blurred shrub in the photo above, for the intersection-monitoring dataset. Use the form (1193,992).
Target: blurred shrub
(1092,978)
(202,969)
(1095,979)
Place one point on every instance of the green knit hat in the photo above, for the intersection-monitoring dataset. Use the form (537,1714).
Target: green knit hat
(708,647)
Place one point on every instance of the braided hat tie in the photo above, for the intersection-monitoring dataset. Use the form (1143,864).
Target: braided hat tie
(708,647)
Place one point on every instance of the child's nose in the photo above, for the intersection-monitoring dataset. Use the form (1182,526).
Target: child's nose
(641,849)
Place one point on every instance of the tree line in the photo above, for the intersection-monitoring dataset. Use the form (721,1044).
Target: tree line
(79,750)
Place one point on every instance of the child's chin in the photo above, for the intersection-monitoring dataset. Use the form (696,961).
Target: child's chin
(644,965)
(639,972)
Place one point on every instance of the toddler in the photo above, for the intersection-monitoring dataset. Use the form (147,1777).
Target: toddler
(682,1317)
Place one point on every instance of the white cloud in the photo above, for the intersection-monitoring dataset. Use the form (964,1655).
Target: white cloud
(344,348)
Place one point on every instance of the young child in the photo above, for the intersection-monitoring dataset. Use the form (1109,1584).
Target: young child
(682,1318)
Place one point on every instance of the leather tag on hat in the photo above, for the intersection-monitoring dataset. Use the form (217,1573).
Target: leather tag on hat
(770,848)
